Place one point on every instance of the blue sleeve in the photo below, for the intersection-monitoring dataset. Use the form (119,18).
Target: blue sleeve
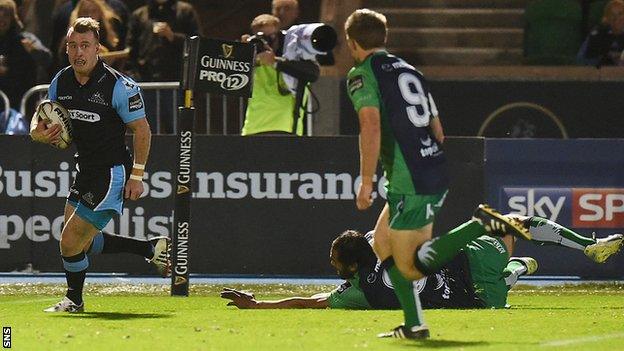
(128,100)
(52,95)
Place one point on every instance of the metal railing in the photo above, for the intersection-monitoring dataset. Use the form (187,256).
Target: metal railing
(205,105)
(7,103)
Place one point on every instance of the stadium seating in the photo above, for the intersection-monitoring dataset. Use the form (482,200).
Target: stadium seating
(553,32)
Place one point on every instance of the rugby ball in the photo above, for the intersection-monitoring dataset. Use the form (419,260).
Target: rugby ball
(51,113)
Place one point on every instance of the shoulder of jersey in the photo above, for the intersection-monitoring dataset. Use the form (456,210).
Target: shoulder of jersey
(128,82)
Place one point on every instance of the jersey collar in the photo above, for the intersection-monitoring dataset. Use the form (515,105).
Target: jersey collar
(96,73)
(374,53)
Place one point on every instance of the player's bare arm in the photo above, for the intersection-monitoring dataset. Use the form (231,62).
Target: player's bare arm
(142,139)
(370,142)
(245,300)
(436,129)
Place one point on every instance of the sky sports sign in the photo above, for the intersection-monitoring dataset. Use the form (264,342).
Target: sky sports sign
(573,207)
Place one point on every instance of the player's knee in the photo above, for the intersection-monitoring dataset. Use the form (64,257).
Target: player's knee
(69,243)
(409,271)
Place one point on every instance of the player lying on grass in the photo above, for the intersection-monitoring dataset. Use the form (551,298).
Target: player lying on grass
(480,276)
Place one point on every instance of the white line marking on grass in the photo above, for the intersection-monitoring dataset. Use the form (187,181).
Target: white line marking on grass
(583,340)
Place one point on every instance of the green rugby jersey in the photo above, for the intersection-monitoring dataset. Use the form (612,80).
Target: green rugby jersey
(413,161)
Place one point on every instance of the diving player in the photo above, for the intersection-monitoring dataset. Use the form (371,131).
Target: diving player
(480,276)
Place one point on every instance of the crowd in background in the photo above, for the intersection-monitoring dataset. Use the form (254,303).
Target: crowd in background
(146,43)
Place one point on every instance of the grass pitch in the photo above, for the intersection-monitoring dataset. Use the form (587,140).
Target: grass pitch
(131,317)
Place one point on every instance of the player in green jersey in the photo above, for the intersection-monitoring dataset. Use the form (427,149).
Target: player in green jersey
(399,124)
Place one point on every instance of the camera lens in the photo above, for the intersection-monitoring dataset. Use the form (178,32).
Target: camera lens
(324,38)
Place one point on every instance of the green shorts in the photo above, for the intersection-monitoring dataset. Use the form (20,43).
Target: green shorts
(413,211)
(488,257)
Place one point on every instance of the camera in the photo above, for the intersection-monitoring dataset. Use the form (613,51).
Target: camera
(260,41)
(306,41)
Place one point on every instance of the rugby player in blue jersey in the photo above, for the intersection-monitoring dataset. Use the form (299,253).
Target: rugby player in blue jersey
(102,103)
(479,276)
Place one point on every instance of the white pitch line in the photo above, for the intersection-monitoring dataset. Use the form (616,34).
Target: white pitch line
(583,340)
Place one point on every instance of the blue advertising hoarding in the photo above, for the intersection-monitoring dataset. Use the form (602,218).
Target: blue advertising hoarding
(577,183)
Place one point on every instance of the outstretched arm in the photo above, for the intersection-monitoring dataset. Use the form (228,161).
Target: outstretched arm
(245,300)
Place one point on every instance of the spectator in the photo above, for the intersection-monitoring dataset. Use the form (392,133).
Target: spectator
(605,43)
(156,39)
(287,11)
(21,54)
(60,23)
(109,21)
(271,107)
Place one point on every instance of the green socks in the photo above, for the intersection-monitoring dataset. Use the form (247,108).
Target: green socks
(406,293)
(544,231)
(437,252)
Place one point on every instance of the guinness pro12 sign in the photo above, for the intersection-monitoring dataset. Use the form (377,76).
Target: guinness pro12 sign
(219,66)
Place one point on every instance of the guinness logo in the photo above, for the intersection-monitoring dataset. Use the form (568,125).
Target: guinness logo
(227,50)
(179,281)
(182,189)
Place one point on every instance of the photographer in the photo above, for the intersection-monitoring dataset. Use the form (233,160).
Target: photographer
(270,111)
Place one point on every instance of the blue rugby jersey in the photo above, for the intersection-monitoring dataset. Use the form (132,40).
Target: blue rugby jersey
(99,111)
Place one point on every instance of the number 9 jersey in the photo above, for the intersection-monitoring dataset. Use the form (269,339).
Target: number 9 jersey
(412,158)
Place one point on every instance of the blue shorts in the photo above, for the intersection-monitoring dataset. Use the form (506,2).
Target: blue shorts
(98,193)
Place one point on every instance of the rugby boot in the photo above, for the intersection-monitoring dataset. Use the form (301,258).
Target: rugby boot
(604,248)
(162,255)
(402,332)
(496,224)
(66,305)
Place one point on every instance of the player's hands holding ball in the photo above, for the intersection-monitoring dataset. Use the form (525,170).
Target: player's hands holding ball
(51,124)
(44,134)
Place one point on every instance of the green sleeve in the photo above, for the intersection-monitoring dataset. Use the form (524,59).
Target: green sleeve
(362,88)
(348,297)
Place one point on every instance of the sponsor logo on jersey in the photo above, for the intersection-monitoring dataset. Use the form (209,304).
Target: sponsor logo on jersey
(64,97)
(85,116)
(432,150)
(372,277)
(97,98)
(576,207)
(355,83)
(135,102)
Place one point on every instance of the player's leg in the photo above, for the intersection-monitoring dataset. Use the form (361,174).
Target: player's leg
(155,250)
(76,233)
(517,267)
(487,259)
(546,232)
(381,244)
